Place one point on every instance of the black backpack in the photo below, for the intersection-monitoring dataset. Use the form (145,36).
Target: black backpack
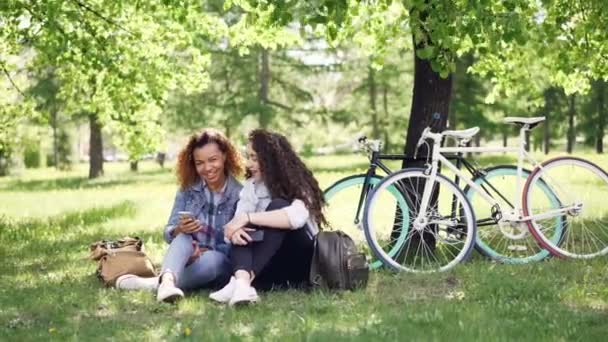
(336,262)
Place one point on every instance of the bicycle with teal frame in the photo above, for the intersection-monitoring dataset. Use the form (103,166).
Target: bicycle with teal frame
(340,211)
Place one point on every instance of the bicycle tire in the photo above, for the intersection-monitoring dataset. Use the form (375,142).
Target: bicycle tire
(342,185)
(416,263)
(582,186)
(490,240)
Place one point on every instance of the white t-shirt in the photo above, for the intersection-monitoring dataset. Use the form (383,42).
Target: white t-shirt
(255,197)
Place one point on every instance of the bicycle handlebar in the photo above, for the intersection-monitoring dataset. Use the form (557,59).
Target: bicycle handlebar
(423,137)
(369,145)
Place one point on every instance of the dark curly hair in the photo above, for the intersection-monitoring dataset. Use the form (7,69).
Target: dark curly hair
(285,174)
(186,170)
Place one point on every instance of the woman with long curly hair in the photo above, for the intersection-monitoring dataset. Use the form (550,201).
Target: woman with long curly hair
(205,202)
(278,215)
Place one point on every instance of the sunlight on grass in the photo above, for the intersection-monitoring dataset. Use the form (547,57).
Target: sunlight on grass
(49,292)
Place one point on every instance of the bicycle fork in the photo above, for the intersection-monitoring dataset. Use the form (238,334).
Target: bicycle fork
(421,220)
(365,191)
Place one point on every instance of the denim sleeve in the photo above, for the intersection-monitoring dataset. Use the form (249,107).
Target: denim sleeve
(179,204)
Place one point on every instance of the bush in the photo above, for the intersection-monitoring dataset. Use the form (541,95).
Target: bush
(31,156)
(4,163)
(64,152)
(307,150)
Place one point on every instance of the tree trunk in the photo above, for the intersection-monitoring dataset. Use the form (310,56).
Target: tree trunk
(55,145)
(387,142)
(430,106)
(571,133)
(228,128)
(547,133)
(372,101)
(95,148)
(599,142)
(453,116)
(160,159)
(134,165)
(264,115)
(227,122)
(4,163)
(505,138)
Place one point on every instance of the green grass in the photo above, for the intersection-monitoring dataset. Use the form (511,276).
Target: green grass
(49,292)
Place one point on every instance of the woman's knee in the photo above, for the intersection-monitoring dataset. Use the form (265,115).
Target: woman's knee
(182,238)
(216,263)
(278,203)
(210,267)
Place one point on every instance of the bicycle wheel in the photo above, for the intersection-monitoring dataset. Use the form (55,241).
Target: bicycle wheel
(342,199)
(509,243)
(582,188)
(438,244)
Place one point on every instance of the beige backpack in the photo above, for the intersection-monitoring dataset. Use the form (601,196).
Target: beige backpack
(120,257)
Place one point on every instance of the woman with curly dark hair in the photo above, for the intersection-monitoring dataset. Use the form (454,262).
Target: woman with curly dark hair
(205,202)
(278,215)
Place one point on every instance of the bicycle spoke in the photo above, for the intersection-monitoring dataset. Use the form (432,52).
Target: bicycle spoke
(579,184)
(440,243)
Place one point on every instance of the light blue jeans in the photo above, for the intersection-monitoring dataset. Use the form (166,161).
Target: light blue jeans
(211,269)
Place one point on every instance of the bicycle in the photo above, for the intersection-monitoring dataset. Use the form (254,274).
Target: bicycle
(338,196)
(549,211)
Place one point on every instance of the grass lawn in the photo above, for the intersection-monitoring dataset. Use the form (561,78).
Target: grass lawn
(48,290)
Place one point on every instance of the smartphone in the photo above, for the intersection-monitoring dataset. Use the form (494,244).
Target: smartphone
(256,235)
(185,215)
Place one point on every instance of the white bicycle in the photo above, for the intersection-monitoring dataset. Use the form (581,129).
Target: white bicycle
(524,215)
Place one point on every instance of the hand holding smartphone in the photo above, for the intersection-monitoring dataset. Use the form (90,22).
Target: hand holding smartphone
(256,235)
(188,223)
(185,216)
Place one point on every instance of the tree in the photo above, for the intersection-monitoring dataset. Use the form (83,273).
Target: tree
(593,116)
(497,32)
(600,89)
(113,59)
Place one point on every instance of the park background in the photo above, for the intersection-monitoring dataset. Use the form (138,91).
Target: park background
(92,91)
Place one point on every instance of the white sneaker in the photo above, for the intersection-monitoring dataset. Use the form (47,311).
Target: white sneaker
(133,282)
(243,293)
(168,293)
(224,295)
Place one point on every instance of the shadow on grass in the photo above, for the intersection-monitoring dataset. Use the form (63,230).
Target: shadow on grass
(47,244)
(70,183)
(27,230)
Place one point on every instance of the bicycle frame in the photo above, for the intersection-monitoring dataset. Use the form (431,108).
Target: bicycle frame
(438,157)
(376,162)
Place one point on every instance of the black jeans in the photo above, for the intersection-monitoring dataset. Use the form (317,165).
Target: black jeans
(282,259)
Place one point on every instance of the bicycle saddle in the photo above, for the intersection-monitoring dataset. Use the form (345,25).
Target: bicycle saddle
(525,121)
(461,134)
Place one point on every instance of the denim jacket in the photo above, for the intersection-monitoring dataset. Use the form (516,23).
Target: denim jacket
(195,201)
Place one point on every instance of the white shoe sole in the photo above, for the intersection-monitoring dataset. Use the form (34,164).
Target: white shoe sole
(171,297)
(219,299)
(125,282)
(244,301)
